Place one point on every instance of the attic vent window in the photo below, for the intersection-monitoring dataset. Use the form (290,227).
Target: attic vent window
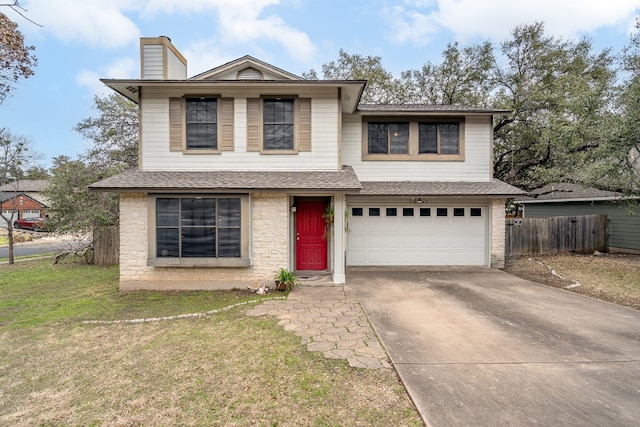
(249,73)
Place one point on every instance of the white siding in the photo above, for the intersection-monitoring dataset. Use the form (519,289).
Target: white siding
(155,140)
(176,69)
(475,167)
(153,62)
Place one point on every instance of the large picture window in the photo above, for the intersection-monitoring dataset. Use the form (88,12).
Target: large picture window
(278,122)
(198,227)
(202,124)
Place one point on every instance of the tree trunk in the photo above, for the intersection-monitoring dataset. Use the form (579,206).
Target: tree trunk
(10,236)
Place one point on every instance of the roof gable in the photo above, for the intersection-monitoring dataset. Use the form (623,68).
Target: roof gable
(246,68)
(8,196)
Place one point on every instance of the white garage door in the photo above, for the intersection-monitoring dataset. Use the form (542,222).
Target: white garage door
(417,235)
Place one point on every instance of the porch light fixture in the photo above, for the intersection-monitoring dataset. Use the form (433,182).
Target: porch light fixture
(418,200)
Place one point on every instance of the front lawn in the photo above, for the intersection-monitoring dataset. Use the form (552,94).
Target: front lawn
(223,369)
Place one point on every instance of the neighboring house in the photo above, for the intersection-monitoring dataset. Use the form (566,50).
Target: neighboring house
(18,205)
(565,199)
(242,167)
(33,188)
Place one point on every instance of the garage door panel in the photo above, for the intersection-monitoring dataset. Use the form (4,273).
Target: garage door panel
(417,240)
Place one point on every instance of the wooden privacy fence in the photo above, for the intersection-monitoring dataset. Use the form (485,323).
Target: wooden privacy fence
(106,245)
(556,235)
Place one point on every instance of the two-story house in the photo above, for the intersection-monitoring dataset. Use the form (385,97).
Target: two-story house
(247,168)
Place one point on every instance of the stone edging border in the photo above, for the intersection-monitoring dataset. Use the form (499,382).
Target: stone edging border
(179,316)
(573,285)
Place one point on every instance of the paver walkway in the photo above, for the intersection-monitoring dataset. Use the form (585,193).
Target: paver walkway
(330,322)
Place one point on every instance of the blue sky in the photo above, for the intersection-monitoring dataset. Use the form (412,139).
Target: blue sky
(84,40)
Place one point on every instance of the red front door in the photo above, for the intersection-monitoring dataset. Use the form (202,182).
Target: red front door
(311,243)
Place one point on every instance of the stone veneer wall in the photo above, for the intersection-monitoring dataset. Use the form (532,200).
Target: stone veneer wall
(497,233)
(268,249)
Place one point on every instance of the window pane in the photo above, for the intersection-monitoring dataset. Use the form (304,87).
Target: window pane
(449,137)
(476,211)
(198,212)
(428,138)
(377,134)
(229,212)
(399,138)
(458,211)
(392,212)
(278,130)
(407,211)
(167,242)
(278,137)
(167,212)
(374,211)
(198,242)
(229,242)
(356,212)
(201,124)
(442,212)
(425,211)
(202,136)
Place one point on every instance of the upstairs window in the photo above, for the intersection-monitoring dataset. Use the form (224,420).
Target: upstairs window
(388,138)
(202,124)
(430,139)
(278,122)
(438,138)
(279,125)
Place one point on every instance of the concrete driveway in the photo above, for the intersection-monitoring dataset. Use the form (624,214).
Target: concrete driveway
(479,347)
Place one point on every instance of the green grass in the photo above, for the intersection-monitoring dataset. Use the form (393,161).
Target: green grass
(223,369)
(4,240)
(37,293)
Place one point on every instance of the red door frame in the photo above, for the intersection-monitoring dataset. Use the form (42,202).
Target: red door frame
(311,239)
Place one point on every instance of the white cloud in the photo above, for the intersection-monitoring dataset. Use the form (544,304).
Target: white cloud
(203,55)
(409,25)
(121,68)
(99,23)
(104,23)
(495,19)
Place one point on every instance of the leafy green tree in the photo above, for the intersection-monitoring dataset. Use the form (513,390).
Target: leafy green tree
(382,87)
(559,94)
(622,170)
(75,208)
(113,133)
(463,77)
(16,59)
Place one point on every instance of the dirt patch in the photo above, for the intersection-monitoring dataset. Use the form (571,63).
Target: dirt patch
(609,277)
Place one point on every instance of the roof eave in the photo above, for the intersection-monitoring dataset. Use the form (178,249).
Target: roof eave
(351,90)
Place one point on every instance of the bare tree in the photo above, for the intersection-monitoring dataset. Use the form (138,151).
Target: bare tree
(15,155)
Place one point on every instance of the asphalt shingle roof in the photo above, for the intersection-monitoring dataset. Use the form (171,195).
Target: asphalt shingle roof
(26,185)
(424,108)
(457,188)
(230,180)
(564,190)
